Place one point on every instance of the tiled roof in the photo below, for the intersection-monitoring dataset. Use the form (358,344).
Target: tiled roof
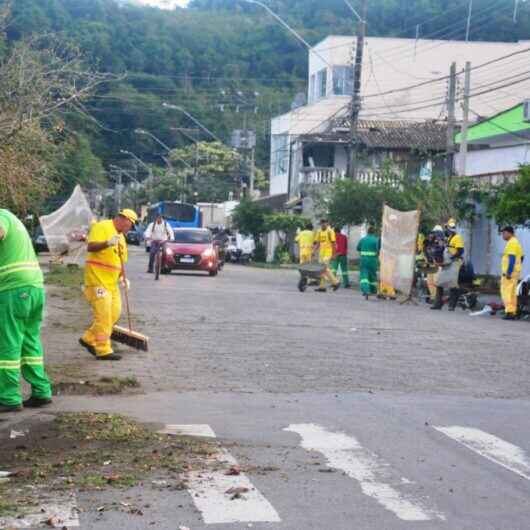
(428,136)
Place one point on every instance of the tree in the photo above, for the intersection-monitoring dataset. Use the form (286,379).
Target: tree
(250,218)
(40,77)
(350,202)
(213,169)
(27,175)
(512,203)
(286,226)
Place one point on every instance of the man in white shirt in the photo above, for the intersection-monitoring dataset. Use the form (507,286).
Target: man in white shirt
(156,234)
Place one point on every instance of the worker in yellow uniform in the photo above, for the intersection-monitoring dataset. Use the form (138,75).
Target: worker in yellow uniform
(325,243)
(512,261)
(107,252)
(450,270)
(306,241)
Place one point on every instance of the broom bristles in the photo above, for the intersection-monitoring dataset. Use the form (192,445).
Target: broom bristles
(130,338)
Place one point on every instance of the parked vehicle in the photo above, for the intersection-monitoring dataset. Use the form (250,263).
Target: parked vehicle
(39,242)
(192,249)
(134,237)
(240,249)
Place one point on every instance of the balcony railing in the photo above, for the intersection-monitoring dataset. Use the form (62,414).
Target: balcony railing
(320,175)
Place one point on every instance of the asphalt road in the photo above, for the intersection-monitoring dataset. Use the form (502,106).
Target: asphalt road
(352,414)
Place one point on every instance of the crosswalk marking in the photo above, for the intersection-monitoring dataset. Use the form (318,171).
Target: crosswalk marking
(373,474)
(61,513)
(201,431)
(491,447)
(208,488)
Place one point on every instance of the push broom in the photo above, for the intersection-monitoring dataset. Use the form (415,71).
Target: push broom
(128,336)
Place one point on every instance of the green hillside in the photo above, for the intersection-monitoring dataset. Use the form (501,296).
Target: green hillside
(212,58)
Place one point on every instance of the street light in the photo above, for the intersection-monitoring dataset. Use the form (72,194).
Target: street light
(289,29)
(147,133)
(353,10)
(167,148)
(194,120)
(139,160)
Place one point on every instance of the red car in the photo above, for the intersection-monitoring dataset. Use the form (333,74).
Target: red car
(191,249)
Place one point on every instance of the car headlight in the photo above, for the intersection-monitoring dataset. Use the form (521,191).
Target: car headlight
(169,252)
(208,253)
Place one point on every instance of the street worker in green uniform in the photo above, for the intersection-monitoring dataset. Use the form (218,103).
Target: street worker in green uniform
(21,310)
(368,249)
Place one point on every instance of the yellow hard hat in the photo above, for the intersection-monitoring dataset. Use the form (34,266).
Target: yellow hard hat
(451,223)
(129,214)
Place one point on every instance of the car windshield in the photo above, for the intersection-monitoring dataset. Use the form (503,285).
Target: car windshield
(192,236)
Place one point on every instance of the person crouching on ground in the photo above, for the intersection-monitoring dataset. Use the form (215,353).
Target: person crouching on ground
(156,234)
(22,300)
(325,243)
(107,252)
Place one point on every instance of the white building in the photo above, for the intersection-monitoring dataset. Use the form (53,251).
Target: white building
(404,84)
(498,146)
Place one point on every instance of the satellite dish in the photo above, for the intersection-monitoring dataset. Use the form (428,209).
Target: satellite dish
(299,101)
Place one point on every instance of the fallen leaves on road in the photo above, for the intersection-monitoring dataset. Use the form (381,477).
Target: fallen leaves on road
(94,452)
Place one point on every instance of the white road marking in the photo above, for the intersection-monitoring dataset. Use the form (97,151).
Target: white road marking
(491,447)
(208,488)
(346,454)
(202,431)
(63,511)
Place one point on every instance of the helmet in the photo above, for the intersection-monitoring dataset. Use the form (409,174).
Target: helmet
(438,228)
(129,214)
(451,224)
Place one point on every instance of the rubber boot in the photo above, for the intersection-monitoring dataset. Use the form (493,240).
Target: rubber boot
(438,301)
(454,295)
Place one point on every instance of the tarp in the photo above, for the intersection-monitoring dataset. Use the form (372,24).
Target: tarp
(67,228)
(398,250)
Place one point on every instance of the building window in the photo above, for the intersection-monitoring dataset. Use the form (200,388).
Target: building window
(342,80)
(322,84)
(279,154)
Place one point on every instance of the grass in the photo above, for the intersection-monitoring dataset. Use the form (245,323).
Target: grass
(70,276)
(92,452)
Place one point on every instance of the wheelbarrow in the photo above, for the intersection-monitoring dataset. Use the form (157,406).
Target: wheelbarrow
(309,271)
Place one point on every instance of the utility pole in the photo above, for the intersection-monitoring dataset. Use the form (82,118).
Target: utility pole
(451,121)
(252,171)
(469,14)
(357,80)
(465,123)
(119,182)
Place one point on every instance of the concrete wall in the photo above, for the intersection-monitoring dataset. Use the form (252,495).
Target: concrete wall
(486,231)
(495,160)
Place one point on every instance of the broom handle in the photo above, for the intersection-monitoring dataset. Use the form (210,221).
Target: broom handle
(125,290)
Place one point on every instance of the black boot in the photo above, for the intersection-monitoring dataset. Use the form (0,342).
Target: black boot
(438,301)
(454,295)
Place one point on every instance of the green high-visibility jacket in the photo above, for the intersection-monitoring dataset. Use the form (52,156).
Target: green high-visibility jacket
(368,248)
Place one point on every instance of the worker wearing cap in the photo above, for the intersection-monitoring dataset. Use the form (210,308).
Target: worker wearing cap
(21,309)
(512,261)
(306,240)
(107,252)
(326,244)
(453,260)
